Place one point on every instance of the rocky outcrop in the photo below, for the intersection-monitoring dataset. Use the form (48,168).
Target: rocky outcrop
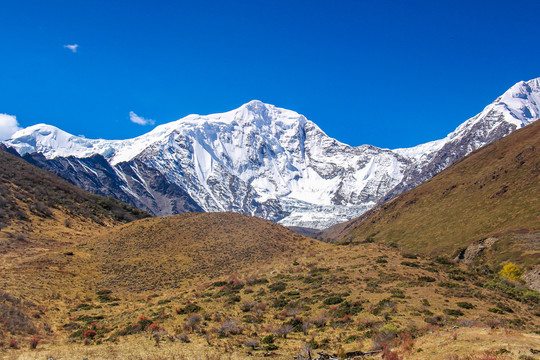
(532,278)
(475,250)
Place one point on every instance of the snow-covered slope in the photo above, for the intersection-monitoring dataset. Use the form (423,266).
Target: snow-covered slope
(274,163)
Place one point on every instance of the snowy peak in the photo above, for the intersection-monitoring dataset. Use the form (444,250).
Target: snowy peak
(51,141)
(523,101)
(272,162)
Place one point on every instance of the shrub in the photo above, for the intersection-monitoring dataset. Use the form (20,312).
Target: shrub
(104,296)
(89,334)
(388,354)
(370,239)
(234,299)
(435,320)
(465,305)
(184,338)
(34,342)
(333,300)
(13,315)
(230,327)
(511,272)
(144,322)
(188,309)
(296,323)
(192,321)
(384,335)
(283,330)
(251,343)
(250,319)
(154,327)
(13,344)
(505,307)
(279,286)
(247,306)
(280,303)
(269,339)
(448,285)
(347,308)
(453,312)
(426,279)
(398,293)
(410,264)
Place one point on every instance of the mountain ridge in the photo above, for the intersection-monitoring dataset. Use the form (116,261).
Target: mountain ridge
(274,163)
(492,193)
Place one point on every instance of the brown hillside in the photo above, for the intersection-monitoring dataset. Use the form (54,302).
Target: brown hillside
(494,190)
(163,252)
(30,196)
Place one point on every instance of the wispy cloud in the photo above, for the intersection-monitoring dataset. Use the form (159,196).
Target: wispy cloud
(8,126)
(140,120)
(72,47)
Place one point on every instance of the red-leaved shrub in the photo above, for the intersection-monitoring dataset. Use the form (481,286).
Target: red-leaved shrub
(89,334)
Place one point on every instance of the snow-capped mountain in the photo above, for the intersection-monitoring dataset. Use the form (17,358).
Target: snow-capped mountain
(270,162)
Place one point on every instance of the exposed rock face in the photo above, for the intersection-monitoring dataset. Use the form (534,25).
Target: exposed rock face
(532,278)
(265,161)
(475,250)
(131,182)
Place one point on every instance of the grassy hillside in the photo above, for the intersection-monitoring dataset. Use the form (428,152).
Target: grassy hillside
(220,286)
(27,192)
(494,191)
(331,298)
(163,252)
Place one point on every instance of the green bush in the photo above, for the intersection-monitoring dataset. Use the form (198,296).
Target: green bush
(333,300)
(465,305)
(188,309)
(269,339)
(453,312)
(279,286)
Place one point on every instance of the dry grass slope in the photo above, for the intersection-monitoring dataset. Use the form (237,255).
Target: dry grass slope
(163,252)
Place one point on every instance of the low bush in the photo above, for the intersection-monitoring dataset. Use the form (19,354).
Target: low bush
(453,312)
(34,342)
(277,287)
(333,300)
(465,305)
(188,309)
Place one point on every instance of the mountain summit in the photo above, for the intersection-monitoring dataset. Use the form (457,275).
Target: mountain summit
(274,163)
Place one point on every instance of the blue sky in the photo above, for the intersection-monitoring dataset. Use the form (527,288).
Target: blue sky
(386,73)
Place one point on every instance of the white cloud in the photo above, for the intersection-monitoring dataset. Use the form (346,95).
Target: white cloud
(72,47)
(8,126)
(140,120)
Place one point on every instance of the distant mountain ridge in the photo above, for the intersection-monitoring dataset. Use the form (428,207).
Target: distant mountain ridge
(265,161)
(493,193)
